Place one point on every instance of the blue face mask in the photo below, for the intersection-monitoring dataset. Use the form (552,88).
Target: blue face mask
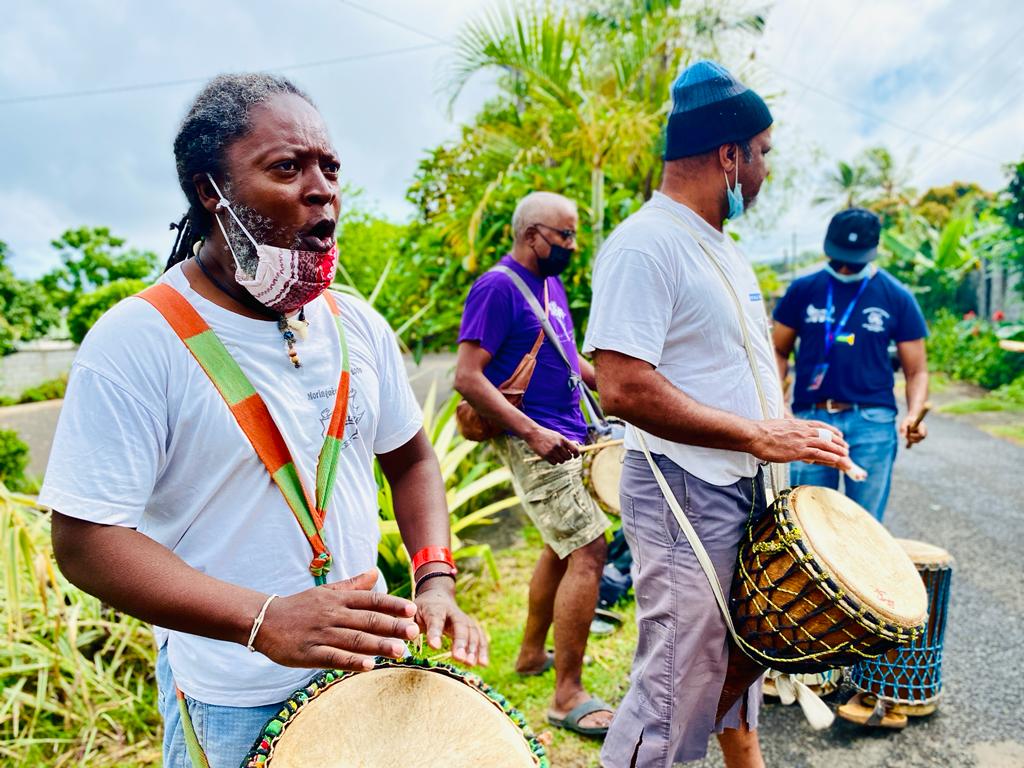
(734,194)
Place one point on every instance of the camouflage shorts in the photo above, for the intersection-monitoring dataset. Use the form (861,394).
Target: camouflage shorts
(554,497)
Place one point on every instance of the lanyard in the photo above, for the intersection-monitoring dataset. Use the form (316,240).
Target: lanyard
(253,416)
(830,335)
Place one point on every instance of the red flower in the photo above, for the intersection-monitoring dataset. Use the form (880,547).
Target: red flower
(998,316)
(970,315)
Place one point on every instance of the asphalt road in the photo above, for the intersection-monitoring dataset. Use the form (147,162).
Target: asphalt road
(963,490)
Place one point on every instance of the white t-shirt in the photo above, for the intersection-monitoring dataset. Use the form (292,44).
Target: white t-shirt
(146,441)
(659,298)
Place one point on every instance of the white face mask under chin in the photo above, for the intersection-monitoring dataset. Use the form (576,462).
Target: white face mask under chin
(856,277)
(286,279)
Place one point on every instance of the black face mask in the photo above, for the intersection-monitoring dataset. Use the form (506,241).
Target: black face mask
(840,265)
(557,260)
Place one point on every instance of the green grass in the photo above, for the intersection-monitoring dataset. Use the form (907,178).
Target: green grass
(502,611)
(1015,434)
(982,405)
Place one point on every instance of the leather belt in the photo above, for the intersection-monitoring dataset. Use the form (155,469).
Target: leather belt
(833,406)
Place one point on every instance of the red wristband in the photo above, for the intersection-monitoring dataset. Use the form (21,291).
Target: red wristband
(433,555)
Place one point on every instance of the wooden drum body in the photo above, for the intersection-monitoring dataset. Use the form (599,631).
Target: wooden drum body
(821,584)
(413,714)
(910,677)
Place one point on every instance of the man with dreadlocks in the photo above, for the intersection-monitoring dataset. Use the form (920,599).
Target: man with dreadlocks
(193,433)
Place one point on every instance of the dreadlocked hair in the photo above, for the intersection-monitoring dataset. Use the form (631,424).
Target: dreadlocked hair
(218,116)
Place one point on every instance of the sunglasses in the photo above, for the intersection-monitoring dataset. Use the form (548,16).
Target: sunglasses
(565,234)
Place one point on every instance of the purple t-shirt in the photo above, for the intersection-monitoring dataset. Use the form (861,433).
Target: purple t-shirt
(499,319)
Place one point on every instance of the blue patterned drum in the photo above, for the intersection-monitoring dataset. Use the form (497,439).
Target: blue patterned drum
(909,677)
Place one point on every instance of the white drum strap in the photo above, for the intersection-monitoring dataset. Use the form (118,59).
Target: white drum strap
(818,713)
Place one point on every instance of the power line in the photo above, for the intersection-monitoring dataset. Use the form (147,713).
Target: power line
(880,118)
(796,31)
(967,79)
(831,53)
(192,80)
(938,156)
(393,21)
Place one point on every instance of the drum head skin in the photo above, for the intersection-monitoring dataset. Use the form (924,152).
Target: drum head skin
(605,473)
(860,555)
(408,714)
(926,556)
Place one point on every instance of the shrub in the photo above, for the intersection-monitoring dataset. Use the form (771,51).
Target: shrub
(88,309)
(13,459)
(969,350)
(48,390)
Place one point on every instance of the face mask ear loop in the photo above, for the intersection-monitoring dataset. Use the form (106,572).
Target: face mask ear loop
(223,204)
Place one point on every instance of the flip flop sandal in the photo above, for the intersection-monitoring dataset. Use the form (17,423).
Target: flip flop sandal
(856,711)
(549,663)
(571,722)
(609,616)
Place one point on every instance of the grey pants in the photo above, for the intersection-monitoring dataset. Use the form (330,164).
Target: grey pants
(668,714)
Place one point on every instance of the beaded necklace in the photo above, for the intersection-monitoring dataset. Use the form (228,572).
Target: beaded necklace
(287,326)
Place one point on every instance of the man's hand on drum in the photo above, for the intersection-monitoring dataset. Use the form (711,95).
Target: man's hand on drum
(438,614)
(551,446)
(785,440)
(337,626)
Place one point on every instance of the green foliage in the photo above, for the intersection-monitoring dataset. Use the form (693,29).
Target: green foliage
(1012,392)
(76,679)
(969,350)
(48,390)
(91,257)
(25,310)
(13,459)
(477,490)
(91,306)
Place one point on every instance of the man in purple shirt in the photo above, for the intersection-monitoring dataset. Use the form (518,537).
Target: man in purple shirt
(498,329)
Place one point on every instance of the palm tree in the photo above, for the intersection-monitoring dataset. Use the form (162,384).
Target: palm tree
(606,87)
(845,187)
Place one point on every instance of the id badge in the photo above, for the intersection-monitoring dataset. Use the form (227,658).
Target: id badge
(817,377)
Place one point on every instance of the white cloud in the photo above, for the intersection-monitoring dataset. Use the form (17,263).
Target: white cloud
(106,159)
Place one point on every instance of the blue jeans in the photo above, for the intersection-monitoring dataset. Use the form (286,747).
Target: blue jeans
(871,433)
(226,733)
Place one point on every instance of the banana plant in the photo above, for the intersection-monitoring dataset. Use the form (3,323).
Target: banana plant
(472,479)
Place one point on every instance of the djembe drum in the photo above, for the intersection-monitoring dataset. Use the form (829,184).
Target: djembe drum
(412,713)
(819,584)
(907,680)
(602,471)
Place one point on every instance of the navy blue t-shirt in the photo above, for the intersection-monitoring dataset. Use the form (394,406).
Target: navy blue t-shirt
(859,369)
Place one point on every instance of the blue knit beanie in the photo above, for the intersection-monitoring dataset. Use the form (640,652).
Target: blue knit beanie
(710,108)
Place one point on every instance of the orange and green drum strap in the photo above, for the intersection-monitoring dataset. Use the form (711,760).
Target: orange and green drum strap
(252,415)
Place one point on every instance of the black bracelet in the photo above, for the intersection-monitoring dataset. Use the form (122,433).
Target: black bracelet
(431,575)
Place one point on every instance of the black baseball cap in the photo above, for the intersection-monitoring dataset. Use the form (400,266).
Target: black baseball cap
(853,236)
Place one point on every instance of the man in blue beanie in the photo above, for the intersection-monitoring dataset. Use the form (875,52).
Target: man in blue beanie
(680,341)
(845,317)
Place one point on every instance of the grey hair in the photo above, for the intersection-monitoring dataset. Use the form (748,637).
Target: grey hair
(218,116)
(530,208)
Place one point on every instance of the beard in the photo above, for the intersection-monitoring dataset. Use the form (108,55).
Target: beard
(262,228)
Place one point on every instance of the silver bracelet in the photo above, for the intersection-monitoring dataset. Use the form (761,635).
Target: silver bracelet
(258,622)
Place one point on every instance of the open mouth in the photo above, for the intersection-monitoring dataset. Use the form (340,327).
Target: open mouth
(319,237)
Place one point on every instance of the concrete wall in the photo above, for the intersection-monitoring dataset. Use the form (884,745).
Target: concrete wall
(34,364)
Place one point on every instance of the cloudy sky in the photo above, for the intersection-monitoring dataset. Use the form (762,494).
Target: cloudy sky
(91,93)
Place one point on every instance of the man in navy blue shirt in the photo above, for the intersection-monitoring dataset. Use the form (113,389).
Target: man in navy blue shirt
(841,320)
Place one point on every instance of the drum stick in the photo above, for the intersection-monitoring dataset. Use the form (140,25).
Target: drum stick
(583,449)
(917,422)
